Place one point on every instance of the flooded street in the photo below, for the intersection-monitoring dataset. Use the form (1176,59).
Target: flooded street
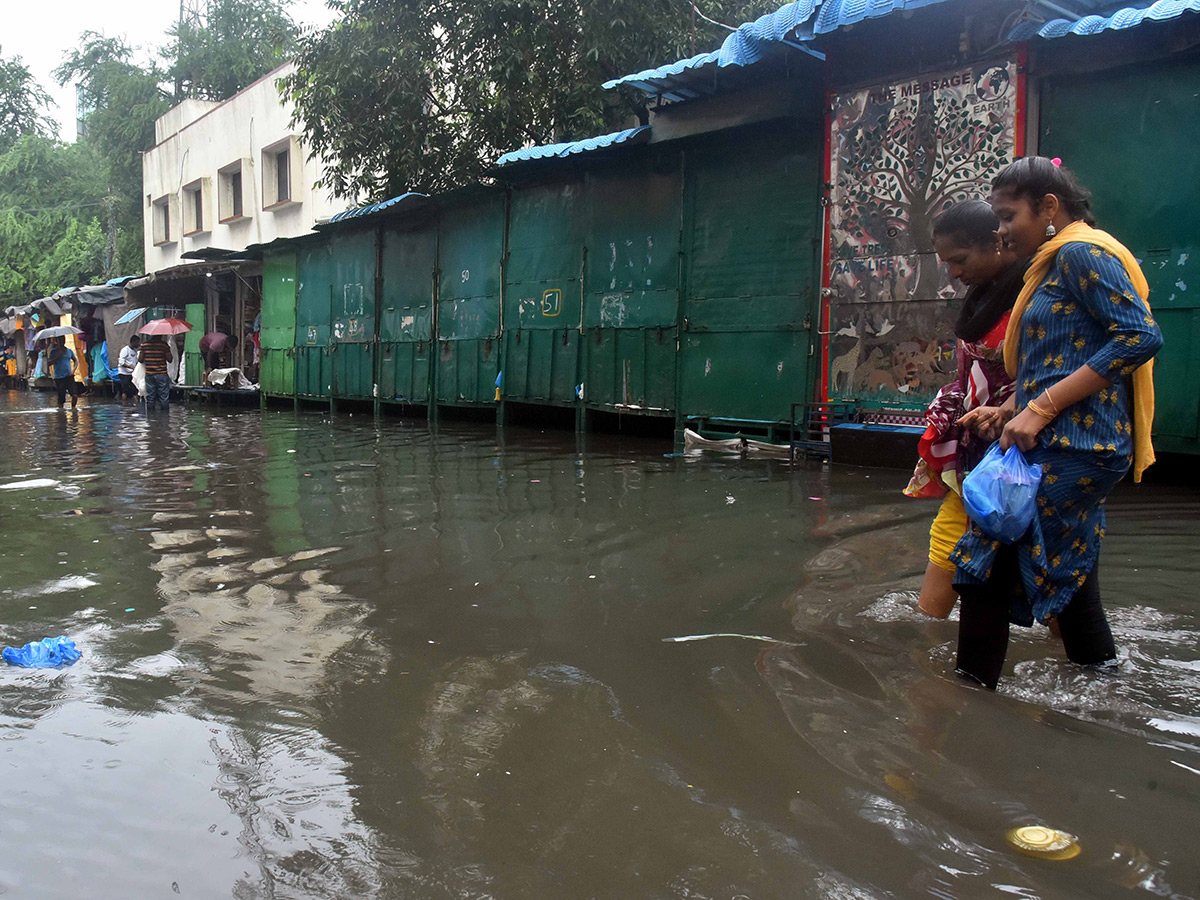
(334,657)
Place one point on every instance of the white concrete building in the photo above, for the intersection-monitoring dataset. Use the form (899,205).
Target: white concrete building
(227,175)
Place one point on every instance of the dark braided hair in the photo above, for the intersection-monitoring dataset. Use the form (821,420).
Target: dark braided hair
(1033,177)
(970,223)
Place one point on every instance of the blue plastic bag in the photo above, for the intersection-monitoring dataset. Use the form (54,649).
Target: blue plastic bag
(1000,494)
(48,653)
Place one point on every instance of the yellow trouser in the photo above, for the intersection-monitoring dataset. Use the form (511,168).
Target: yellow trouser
(948,526)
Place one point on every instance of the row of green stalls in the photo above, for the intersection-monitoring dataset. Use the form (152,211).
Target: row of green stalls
(675,278)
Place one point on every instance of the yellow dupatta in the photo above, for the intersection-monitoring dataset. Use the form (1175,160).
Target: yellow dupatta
(1143,378)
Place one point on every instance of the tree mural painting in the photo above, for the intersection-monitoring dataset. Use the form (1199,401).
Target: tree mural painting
(901,153)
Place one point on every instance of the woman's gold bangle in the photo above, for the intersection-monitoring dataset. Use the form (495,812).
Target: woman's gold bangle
(1039,411)
(1050,400)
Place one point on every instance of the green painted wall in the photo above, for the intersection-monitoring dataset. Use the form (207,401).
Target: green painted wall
(1145,179)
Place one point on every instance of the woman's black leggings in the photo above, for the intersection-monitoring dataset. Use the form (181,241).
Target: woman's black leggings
(983,622)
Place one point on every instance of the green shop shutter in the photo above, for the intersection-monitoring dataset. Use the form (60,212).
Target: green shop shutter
(314,298)
(471,244)
(277,337)
(1145,180)
(193,363)
(353,258)
(406,314)
(631,301)
(752,212)
(542,294)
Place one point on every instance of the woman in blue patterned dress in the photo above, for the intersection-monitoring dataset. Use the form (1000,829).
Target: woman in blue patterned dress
(1079,344)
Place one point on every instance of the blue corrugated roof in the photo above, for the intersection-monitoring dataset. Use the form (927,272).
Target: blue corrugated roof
(743,47)
(646,75)
(359,211)
(803,20)
(790,25)
(835,14)
(570,148)
(1129,17)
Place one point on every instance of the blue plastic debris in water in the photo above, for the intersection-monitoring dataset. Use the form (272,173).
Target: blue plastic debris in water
(48,653)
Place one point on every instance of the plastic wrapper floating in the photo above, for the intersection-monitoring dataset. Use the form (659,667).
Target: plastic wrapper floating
(48,653)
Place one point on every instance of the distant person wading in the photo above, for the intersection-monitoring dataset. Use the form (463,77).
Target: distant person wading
(126,363)
(154,355)
(62,364)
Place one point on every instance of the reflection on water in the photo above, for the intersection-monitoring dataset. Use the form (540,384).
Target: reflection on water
(334,657)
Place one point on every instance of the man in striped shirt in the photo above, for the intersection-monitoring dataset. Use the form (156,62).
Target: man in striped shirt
(154,355)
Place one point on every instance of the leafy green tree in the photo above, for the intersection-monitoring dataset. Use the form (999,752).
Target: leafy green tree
(425,94)
(123,100)
(50,196)
(52,201)
(23,103)
(230,44)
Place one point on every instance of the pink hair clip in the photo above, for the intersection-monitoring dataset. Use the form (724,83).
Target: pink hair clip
(1057,161)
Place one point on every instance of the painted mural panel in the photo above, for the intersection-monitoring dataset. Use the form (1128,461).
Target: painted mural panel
(900,153)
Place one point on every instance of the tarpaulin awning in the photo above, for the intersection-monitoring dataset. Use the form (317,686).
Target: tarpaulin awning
(92,294)
(45,305)
(175,286)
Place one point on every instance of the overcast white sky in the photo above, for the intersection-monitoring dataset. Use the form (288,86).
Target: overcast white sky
(42,31)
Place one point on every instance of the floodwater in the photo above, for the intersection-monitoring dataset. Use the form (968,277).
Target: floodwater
(330,657)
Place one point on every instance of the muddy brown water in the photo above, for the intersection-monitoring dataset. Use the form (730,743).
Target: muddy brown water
(332,657)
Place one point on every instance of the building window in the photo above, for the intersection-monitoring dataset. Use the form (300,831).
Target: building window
(279,165)
(230,184)
(160,211)
(283,176)
(235,189)
(195,207)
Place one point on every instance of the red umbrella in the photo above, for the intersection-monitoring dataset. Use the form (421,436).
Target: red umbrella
(165,326)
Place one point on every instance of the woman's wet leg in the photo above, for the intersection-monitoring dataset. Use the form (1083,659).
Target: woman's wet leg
(1085,633)
(983,622)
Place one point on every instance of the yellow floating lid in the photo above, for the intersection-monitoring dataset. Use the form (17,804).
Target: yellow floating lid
(1044,843)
